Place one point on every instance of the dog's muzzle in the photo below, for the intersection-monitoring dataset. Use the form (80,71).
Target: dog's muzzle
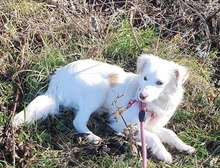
(142,96)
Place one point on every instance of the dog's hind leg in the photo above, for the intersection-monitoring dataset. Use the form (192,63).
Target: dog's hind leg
(86,106)
(80,124)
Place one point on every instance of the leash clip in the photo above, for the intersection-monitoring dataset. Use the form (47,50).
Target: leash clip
(142,116)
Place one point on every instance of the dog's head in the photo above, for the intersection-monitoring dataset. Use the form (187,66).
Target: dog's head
(158,76)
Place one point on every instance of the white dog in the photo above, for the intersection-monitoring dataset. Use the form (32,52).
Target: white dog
(89,85)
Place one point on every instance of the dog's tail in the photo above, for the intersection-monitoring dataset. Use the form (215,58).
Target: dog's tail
(39,108)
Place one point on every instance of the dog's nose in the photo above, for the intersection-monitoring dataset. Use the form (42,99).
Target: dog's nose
(142,96)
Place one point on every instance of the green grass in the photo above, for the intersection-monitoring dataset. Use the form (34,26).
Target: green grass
(54,142)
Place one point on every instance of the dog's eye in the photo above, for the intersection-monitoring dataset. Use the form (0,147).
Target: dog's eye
(145,78)
(159,83)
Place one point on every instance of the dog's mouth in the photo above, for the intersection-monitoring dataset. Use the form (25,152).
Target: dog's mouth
(144,98)
(143,101)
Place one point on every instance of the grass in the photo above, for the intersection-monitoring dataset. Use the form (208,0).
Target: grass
(37,38)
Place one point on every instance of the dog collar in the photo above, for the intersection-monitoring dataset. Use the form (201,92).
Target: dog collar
(130,103)
(153,114)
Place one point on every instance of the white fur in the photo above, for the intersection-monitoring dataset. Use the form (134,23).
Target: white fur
(86,86)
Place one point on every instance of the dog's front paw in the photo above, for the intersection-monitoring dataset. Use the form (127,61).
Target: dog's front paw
(164,156)
(95,139)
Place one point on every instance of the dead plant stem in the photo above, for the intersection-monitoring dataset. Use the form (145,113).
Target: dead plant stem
(14,155)
(133,33)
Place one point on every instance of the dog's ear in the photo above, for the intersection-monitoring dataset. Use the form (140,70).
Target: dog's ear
(141,62)
(181,74)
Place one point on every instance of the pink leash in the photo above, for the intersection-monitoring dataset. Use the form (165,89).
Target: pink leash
(142,118)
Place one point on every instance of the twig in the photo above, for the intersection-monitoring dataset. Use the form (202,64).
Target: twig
(133,33)
(13,131)
(206,28)
(124,120)
(211,16)
(14,155)
(67,12)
